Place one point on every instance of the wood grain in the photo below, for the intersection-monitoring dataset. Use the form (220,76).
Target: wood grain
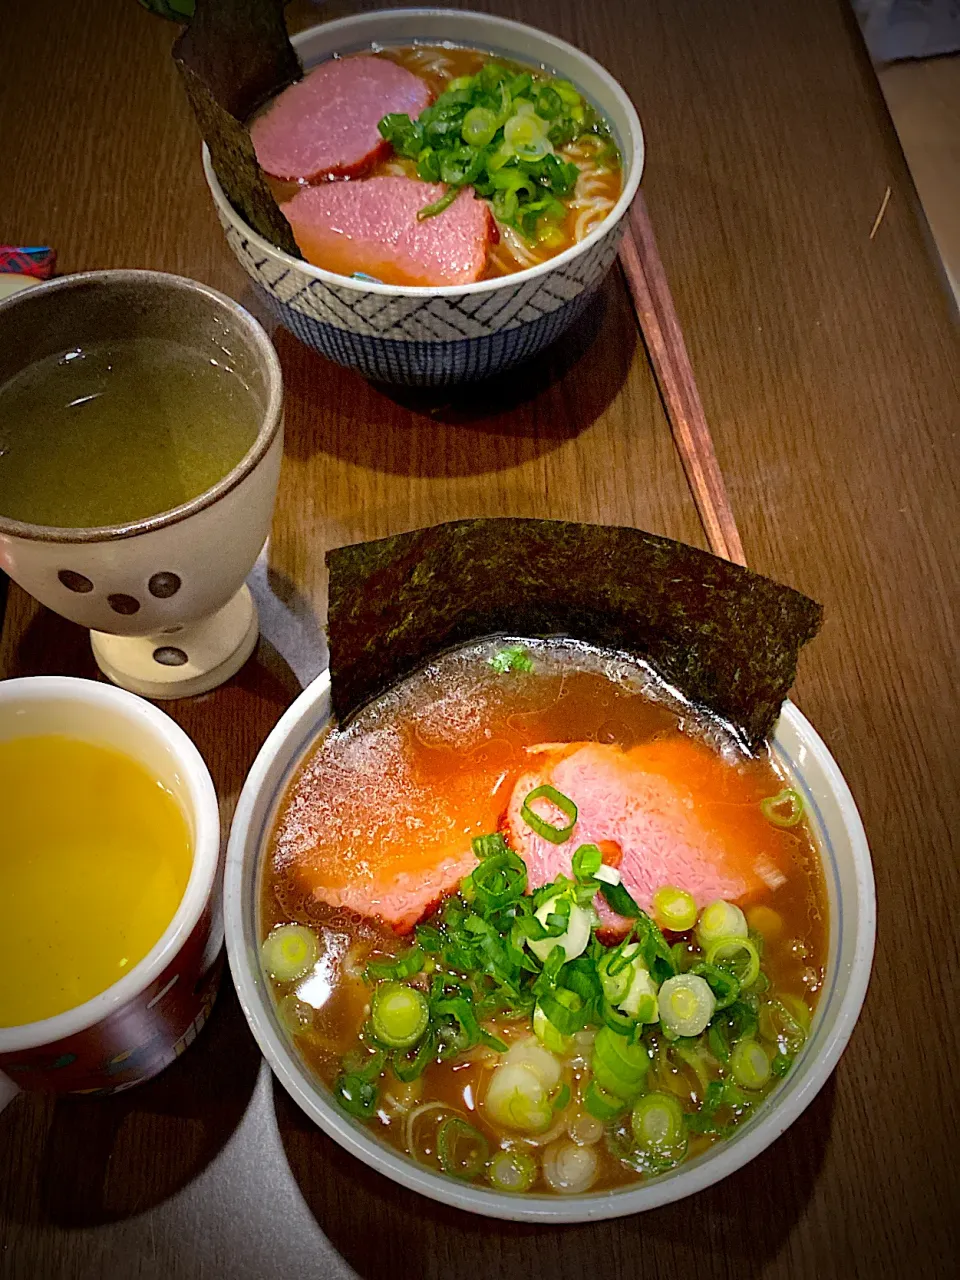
(657,316)
(829,368)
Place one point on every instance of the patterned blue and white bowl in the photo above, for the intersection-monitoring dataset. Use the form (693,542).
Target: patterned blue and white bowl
(455,333)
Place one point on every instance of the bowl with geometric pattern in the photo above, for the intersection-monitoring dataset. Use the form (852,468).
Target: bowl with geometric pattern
(419,336)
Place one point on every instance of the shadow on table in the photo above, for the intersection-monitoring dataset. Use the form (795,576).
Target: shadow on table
(386,1232)
(452,431)
(107,1159)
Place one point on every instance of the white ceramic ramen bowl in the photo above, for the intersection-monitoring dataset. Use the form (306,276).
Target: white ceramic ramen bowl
(164,597)
(457,333)
(850,889)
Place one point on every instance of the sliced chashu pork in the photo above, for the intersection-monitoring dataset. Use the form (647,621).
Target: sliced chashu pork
(652,811)
(372,227)
(325,125)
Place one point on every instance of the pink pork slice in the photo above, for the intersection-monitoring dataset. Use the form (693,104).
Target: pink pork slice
(325,125)
(372,227)
(643,822)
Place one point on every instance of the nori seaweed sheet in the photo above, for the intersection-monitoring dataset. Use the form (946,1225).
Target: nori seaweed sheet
(234,57)
(726,638)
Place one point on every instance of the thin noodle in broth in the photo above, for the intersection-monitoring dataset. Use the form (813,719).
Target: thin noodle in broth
(597,189)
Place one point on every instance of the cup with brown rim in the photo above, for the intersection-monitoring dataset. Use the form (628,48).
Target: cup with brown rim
(164,596)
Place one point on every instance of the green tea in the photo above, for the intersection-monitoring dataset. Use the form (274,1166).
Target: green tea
(118,431)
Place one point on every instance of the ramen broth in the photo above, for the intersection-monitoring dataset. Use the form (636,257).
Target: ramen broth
(436,759)
(598,187)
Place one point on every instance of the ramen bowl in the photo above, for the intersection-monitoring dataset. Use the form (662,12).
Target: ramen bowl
(163,596)
(143,1022)
(802,757)
(419,336)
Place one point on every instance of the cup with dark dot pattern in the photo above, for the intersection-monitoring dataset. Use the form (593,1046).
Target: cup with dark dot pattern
(164,597)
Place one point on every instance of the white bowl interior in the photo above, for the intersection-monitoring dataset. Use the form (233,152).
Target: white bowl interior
(110,717)
(850,891)
(482,31)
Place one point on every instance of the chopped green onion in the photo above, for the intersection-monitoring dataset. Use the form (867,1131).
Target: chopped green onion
(659,1125)
(724,985)
(499,881)
(686,1005)
(514,657)
(772,808)
(356,1096)
(512,1171)
(560,1099)
(601,1104)
(289,952)
(616,972)
(404,966)
(438,206)
(750,1065)
(580,976)
(619,900)
(586,862)
(781,1065)
(778,1025)
(407,1068)
(517,1099)
(548,1035)
(525,135)
(738,956)
(461,1148)
(674,909)
(641,998)
(479,126)
(737,1022)
(549,103)
(488,846)
(564,1009)
(619,1066)
(624,1024)
(721,920)
(575,929)
(656,952)
(295,1014)
(399,1015)
(556,835)
(567,92)
(608,874)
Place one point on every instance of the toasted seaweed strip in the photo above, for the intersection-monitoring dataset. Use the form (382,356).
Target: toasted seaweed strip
(726,638)
(234,57)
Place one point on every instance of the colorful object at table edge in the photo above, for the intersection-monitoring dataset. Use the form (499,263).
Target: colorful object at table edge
(28,260)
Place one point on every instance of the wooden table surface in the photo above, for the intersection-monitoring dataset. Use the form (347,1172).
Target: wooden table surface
(830,370)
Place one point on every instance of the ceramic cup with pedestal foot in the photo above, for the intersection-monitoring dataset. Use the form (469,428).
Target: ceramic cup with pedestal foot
(164,597)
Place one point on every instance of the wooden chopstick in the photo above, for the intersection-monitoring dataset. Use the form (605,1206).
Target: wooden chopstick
(657,316)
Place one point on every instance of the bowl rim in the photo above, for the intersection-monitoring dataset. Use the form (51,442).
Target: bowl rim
(376,1154)
(270,419)
(361,22)
(91,696)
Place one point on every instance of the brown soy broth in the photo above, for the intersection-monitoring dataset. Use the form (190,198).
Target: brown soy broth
(459,714)
(438,65)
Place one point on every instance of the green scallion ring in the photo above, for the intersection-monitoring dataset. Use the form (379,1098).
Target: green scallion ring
(399,1015)
(725,953)
(556,835)
(461,1148)
(289,952)
(771,808)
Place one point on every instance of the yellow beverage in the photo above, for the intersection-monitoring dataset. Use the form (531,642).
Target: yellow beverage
(95,855)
